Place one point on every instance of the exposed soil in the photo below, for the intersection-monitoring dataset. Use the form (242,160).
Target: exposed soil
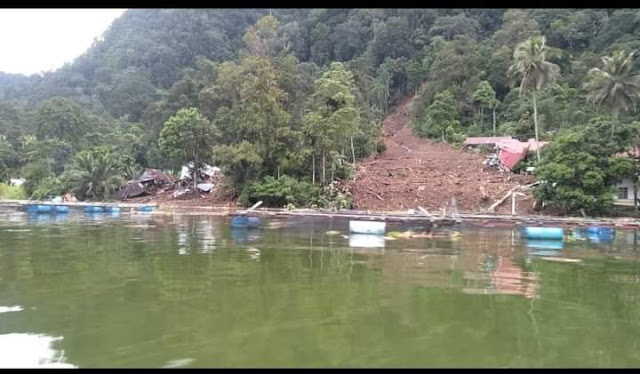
(419,172)
(411,172)
(216,198)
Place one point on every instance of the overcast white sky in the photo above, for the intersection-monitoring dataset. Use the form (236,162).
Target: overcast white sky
(37,40)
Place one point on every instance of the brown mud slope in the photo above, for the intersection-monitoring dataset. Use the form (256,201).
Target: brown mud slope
(419,172)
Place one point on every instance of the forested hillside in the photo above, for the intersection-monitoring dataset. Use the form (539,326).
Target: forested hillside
(289,97)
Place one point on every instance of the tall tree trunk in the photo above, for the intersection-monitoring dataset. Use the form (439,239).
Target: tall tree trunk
(313,169)
(494,121)
(614,115)
(535,124)
(195,177)
(333,166)
(324,166)
(353,155)
(482,117)
(443,139)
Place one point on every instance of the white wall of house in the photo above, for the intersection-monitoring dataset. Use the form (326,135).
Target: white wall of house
(628,184)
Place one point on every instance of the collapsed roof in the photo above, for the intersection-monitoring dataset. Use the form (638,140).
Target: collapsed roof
(155,175)
(510,150)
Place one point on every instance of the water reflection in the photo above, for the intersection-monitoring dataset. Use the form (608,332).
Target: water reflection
(31,351)
(290,296)
(205,235)
(366,241)
(241,235)
(9,309)
(183,238)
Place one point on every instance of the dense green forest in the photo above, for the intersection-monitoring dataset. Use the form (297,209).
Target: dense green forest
(284,100)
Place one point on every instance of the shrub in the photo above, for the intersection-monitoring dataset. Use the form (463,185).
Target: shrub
(279,192)
(49,188)
(12,192)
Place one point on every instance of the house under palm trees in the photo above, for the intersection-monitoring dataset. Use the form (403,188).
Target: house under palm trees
(627,189)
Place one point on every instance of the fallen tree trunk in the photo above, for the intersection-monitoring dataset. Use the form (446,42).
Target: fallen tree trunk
(505,197)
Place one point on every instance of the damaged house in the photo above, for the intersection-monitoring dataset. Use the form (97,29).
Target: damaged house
(510,151)
(148,182)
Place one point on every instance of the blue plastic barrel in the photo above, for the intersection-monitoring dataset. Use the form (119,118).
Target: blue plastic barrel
(62,209)
(112,209)
(254,222)
(93,209)
(239,221)
(552,233)
(601,230)
(146,208)
(601,234)
(39,208)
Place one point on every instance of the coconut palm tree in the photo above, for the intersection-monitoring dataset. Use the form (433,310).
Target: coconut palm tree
(616,85)
(535,72)
(94,176)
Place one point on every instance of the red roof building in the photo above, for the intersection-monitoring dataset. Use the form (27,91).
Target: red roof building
(510,150)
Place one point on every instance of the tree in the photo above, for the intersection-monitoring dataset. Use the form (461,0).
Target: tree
(486,97)
(333,118)
(452,26)
(392,39)
(93,174)
(442,117)
(8,158)
(188,137)
(263,39)
(348,40)
(517,25)
(52,153)
(616,85)
(530,62)
(455,68)
(580,168)
(61,118)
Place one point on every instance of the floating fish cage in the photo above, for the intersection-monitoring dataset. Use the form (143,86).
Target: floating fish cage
(33,208)
(93,209)
(367,227)
(146,208)
(62,209)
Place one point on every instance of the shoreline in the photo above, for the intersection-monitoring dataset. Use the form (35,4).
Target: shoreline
(482,218)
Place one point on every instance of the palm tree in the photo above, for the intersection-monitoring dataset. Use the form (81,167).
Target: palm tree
(94,176)
(530,62)
(616,85)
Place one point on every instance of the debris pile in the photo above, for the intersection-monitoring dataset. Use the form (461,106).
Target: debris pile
(149,182)
(208,178)
(419,172)
(510,150)
(153,183)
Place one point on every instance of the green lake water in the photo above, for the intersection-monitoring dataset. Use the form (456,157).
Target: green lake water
(169,291)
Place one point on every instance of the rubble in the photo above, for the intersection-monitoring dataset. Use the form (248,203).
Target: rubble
(419,172)
(147,183)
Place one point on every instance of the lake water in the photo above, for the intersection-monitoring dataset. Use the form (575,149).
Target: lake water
(188,291)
